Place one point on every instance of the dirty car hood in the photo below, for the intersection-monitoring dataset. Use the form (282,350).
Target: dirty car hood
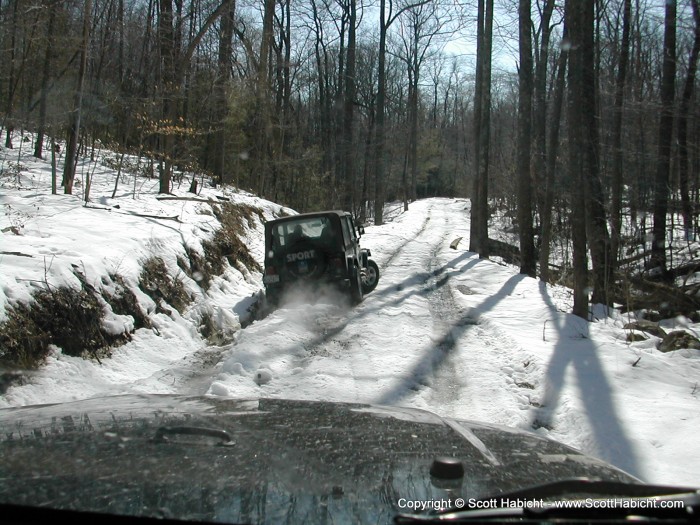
(262,460)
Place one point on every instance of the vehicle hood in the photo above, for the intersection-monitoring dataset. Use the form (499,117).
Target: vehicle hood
(263,460)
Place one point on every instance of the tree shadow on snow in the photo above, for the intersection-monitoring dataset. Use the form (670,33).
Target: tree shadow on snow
(575,348)
(383,297)
(436,354)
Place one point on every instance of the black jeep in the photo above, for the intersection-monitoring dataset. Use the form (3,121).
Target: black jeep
(315,249)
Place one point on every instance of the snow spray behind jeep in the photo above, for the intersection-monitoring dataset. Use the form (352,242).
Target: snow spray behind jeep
(316,253)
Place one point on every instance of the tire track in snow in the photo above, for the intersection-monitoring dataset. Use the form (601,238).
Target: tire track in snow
(398,250)
(433,373)
(450,370)
(445,384)
(472,363)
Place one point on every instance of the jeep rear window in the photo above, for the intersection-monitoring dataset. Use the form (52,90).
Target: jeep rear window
(315,229)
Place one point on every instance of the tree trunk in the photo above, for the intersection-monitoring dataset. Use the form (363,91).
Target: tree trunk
(11,83)
(262,137)
(349,109)
(415,66)
(539,133)
(663,169)
(324,97)
(686,98)
(528,261)
(169,109)
(379,191)
(596,224)
(413,133)
(224,67)
(617,179)
(54,176)
(552,153)
(74,130)
(479,231)
(474,231)
(574,20)
(485,134)
(45,76)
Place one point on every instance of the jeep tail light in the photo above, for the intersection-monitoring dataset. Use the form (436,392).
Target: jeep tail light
(270,270)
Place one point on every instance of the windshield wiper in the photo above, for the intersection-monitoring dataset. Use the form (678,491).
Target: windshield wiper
(579,500)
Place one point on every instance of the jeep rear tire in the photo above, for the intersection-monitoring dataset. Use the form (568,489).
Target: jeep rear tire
(356,294)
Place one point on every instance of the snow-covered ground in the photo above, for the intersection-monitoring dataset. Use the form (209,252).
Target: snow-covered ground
(443,331)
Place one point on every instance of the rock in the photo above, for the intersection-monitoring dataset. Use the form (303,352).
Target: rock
(8,379)
(651,315)
(678,340)
(650,327)
(634,337)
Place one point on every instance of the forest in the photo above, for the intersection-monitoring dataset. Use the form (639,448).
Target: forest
(577,120)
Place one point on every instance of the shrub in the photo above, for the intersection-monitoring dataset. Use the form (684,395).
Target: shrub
(156,282)
(68,318)
(124,302)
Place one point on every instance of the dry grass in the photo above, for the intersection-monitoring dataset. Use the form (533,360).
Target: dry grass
(227,243)
(156,282)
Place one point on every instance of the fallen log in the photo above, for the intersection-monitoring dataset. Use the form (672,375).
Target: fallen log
(194,199)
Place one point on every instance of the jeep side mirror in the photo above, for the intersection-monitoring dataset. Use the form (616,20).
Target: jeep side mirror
(361,230)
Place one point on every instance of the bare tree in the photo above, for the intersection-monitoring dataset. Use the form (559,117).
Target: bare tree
(349,108)
(76,113)
(421,28)
(553,140)
(540,176)
(663,169)
(12,75)
(616,178)
(49,8)
(576,14)
(166,37)
(479,232)
(528,260)
(387,16)
(684,110)
(222,81)
(175,61)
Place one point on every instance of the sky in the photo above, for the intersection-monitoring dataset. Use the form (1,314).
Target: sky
(443,331)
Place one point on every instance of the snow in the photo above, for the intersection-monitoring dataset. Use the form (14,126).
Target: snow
(443,331)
